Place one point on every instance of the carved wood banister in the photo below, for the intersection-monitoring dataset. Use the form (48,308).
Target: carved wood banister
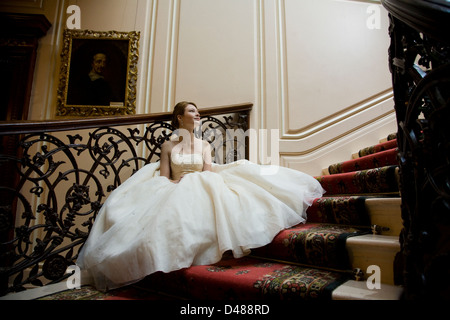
(419,60)
(427,16)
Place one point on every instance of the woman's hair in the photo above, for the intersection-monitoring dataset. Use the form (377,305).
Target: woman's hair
(178,110)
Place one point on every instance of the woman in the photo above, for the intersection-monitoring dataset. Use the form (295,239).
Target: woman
(184,210)
(186,118)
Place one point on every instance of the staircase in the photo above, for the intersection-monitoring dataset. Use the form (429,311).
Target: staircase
(345,250)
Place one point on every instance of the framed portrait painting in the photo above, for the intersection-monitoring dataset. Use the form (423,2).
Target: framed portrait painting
(98,73)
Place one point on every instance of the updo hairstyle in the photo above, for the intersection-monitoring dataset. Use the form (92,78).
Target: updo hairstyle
(178,110)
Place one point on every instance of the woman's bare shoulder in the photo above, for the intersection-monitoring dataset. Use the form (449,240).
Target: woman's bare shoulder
(167,146)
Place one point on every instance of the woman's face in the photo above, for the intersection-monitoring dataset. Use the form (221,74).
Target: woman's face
(191,117)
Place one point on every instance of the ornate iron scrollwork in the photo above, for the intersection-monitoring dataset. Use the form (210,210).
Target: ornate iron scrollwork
(66,177)
(420,67)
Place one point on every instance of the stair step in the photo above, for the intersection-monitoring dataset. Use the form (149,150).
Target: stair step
(344,210)
(383,180)
(247,279)
(378,250)
(358,290)
(382,146)
(385,212)
(312,244)
(363,211)
(379,159)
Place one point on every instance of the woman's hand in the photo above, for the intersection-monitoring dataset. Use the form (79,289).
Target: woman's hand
(176,181)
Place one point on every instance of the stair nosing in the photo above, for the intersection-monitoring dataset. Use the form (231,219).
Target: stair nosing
(374,240)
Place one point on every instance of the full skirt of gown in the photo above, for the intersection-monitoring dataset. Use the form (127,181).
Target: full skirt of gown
(150,224)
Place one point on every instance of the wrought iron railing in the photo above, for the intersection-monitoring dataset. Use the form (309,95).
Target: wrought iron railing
(419,60)
(57,174)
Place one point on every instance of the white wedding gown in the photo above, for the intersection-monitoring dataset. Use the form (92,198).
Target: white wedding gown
(150,224)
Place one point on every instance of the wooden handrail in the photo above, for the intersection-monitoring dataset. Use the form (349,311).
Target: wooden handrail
(429,16)
(33,126)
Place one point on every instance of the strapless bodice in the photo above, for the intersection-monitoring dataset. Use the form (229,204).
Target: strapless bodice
(182,164)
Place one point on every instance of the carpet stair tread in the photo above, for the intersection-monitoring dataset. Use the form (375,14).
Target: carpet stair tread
(384,212)
(88,292)
(343,210)
(382,146)
(248,278)
(375,160)
(382,180)
(312,244)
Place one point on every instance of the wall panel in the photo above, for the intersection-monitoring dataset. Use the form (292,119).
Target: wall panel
(216,52)
(333,60)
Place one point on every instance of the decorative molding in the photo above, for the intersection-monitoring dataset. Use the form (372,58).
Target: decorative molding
(319,156)
(172,55)
(49,105)
(272,94)
(338,136)
(337,117)
(260,53)
(152,11)
(283,96)
(283,91)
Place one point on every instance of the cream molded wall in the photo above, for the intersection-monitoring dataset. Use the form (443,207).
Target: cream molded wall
(314,69)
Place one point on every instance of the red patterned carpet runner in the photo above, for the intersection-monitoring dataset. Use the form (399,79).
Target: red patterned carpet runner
(312,244)
(344,210)
(288,268)
(231,279)
(375,172)
(391,143)
(380,159)
(248,279)
(382,180)
(90,293)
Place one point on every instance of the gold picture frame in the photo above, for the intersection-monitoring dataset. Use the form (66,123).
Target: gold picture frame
(98,73)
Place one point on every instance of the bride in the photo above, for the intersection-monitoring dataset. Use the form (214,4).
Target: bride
(184,210)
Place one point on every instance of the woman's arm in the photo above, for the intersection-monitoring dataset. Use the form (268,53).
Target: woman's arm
(207,159)
(164,169)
